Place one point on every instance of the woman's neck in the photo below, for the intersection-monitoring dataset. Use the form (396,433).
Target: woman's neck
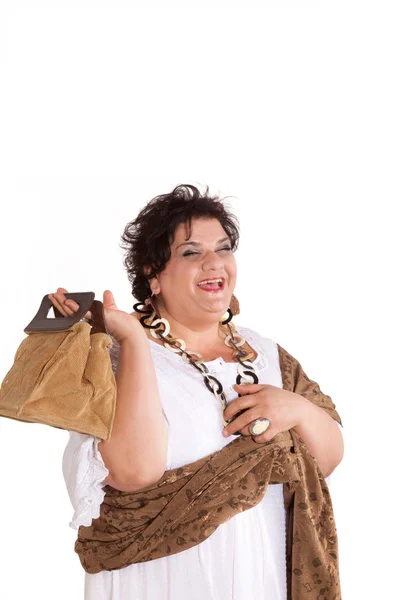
(198,336)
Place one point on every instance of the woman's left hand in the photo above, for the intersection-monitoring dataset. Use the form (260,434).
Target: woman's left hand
(283,408)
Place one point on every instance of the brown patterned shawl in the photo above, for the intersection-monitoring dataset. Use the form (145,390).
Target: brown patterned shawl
(188,504)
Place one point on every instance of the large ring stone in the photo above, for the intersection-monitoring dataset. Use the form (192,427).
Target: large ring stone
(259,426)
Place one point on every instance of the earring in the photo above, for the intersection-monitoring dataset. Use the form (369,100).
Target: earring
(234,305)
(153,303)
(150,299)
(233,310)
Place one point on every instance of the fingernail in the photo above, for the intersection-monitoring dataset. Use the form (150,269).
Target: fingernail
(224,432)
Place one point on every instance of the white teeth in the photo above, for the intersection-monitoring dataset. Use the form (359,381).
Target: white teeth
(210,281)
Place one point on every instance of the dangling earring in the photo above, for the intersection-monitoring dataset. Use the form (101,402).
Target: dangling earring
(152,301)
(149,299)
(233,310)
(234,305)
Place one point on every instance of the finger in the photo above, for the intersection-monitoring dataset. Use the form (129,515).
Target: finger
(58,305)
(69,308)
(237,405)
(248,388)
(70,305)
(60,295)
(261,438)
(266,436)
(108,300)
(242,421)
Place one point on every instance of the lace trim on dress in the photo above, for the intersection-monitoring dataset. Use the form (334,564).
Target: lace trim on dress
(258,343)
(90,482)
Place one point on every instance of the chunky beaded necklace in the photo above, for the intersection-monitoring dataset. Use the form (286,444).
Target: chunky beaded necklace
(160,329)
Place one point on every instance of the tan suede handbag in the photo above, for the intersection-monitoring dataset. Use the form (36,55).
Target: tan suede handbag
(62,374)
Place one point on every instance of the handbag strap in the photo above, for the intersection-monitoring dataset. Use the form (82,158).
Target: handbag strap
(86,302)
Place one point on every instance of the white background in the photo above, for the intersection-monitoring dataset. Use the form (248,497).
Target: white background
(292,109)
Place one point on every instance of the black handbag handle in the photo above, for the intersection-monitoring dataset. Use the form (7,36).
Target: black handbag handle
(86,302)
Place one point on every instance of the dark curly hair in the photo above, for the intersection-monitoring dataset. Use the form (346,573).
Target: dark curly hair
(148,238)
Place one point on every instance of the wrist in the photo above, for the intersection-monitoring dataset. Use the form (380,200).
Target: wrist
(303,408)
(133,337)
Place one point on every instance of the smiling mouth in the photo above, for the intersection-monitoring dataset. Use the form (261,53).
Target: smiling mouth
(212,285)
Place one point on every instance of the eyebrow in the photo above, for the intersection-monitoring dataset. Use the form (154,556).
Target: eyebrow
(198,243)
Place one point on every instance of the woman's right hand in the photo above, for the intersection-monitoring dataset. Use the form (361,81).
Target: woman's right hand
(120,324)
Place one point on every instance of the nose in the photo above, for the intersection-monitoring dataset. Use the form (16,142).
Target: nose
(212,261)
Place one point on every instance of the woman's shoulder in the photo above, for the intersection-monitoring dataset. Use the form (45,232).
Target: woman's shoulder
(259,341)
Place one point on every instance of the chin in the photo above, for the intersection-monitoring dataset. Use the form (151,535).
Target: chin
(216,306)
(217,312)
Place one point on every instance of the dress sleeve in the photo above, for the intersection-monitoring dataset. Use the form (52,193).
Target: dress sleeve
(114,354)
(84,470)
(84,473)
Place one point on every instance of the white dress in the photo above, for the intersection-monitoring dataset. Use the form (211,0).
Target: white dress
(245,557)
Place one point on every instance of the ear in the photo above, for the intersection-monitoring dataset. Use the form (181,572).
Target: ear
(155,286)
(153,282)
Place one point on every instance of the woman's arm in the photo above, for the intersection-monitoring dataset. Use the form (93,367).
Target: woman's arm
(321,435)
(136,454)
(287,410)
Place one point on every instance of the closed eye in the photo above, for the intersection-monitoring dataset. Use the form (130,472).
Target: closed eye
(189,253)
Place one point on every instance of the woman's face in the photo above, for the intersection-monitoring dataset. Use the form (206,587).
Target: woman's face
(205,257)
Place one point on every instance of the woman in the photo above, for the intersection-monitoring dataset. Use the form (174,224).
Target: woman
(180,262)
